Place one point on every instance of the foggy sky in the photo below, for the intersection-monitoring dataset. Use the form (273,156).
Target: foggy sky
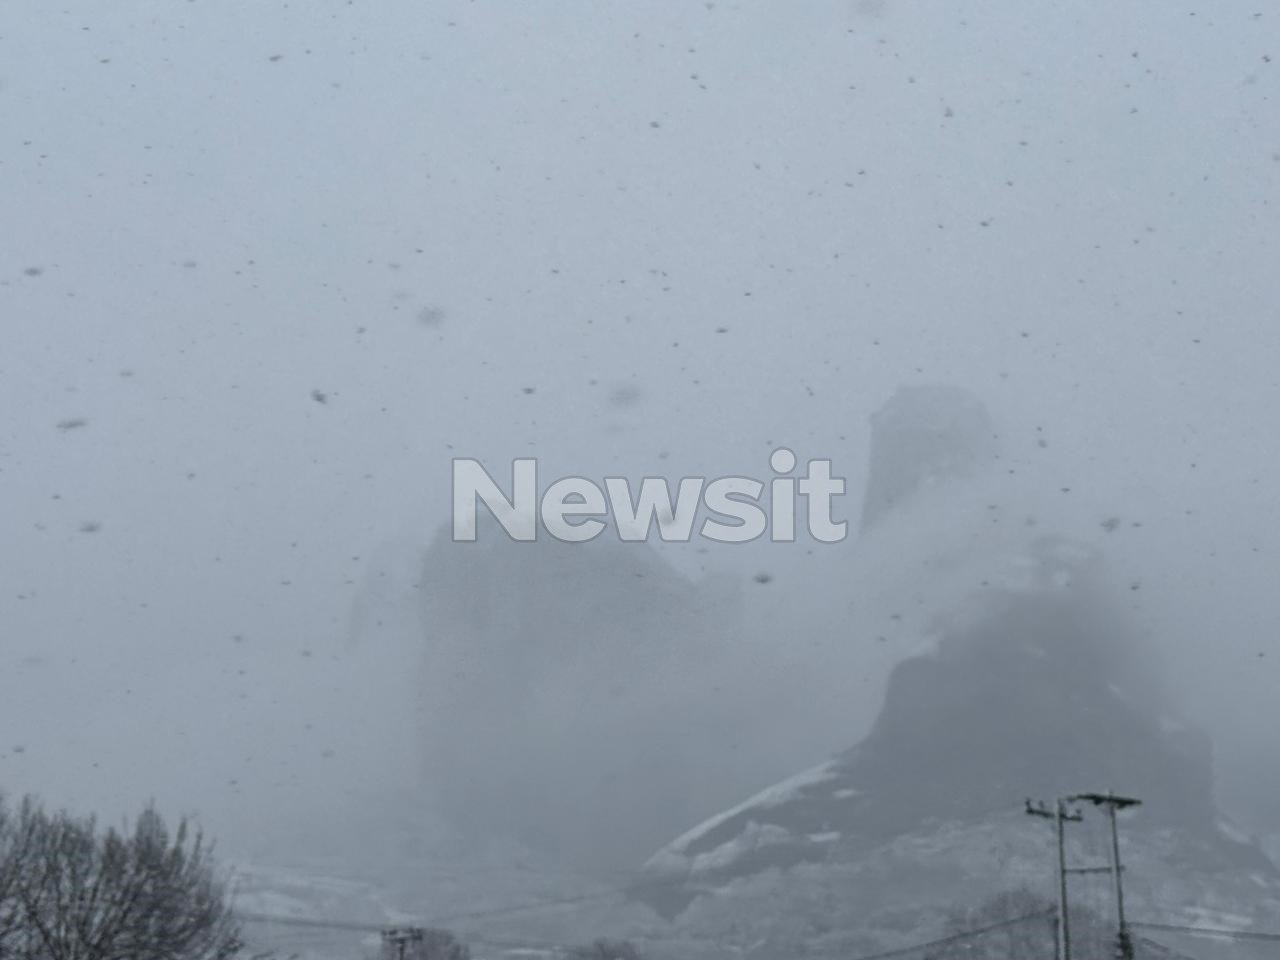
(210,211)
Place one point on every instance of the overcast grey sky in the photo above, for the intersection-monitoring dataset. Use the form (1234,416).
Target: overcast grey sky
(692,229)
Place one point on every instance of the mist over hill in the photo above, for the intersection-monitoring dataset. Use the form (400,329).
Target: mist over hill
(559,680)
(270,271)
(559,684)
(1036,680)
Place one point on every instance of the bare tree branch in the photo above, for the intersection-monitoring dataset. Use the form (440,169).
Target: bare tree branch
(69,891)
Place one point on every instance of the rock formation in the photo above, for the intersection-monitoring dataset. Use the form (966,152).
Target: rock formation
(1038,685)
(569,695)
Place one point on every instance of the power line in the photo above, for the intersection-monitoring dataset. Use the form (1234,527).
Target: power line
(523,942)
(254,917)
(534,905)
(286,921)
(362,927)
(957,937)
(482,914)
(1210,931)
(358,927)
(365,927)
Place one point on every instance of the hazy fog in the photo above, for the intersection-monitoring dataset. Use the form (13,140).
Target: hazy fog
(266,268)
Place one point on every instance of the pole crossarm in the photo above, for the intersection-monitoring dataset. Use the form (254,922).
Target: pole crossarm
(1106,799)
(1044,810)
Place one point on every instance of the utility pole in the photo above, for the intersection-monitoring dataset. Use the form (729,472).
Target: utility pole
(1113,803)
(1060,817)
(400,937)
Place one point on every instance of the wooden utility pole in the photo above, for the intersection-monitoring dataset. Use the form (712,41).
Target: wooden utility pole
(1060,817)
(1124,943)
(400,937)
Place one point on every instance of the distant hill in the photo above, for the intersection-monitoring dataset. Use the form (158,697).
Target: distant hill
(1035,683)
(577,697)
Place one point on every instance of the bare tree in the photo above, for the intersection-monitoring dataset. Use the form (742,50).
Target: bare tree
(69,891)
(10,869)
